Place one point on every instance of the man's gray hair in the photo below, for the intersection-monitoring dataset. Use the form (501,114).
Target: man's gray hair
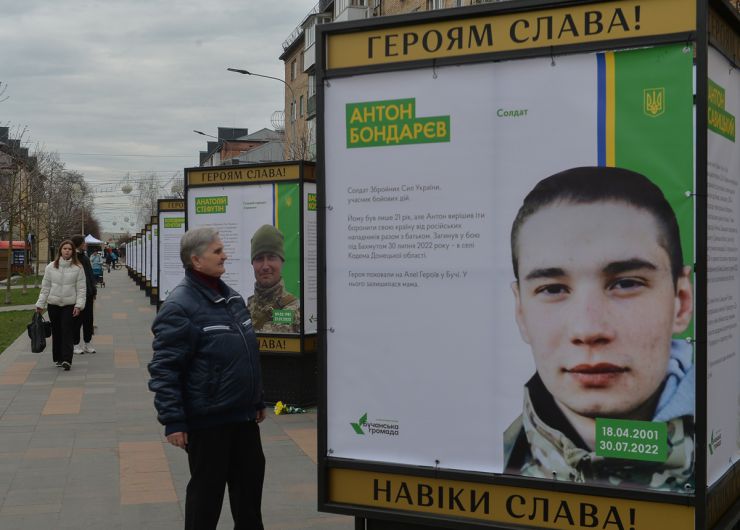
(194,243)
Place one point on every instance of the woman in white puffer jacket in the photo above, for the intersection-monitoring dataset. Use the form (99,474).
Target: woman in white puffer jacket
(63,289)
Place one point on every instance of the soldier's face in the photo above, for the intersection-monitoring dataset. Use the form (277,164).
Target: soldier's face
(268,269)
(597,304)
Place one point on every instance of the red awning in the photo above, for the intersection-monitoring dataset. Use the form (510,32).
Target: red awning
(17,245)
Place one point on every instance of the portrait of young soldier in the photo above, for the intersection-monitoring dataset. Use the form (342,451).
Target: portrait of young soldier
(273,309)
(600,291)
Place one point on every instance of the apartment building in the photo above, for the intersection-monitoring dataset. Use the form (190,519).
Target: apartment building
(299,58)
(237,145)
(23,206)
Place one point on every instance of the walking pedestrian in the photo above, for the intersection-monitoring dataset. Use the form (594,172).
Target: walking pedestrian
(96,260)
(63,291)
(206,377)
(86,317)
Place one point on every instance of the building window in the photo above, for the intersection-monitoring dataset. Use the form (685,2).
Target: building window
(341,5)
(292,70)
(310,30)
(300,107)
(311,84)
(310,36)
(301,61)
(435,4)
(292,110)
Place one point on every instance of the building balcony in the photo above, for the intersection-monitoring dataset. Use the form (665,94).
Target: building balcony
(350,10)
(309,57)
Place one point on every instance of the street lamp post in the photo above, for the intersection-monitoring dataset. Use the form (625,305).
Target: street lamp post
(209,135)
(292,95)
(221,142)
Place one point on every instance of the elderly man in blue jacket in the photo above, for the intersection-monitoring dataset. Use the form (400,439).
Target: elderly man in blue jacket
(206,377)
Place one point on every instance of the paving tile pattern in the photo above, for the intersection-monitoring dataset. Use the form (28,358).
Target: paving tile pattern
(83,450)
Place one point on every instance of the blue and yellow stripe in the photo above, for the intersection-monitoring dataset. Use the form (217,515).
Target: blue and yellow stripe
(606,122)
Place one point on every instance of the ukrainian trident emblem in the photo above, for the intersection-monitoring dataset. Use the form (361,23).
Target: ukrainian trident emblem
(653,102)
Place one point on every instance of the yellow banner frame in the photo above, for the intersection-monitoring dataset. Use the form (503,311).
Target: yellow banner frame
(569,25)
(171,205)
(239,174)
(501,504)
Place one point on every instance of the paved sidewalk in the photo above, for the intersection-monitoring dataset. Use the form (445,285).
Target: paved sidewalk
(82,449)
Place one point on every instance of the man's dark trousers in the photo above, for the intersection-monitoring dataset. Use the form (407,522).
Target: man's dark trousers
(228,454)
(85,321)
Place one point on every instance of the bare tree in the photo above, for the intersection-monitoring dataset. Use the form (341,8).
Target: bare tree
(301,142)
(70,202)
(177,191)
(147,191)
(50,168)
(40,201)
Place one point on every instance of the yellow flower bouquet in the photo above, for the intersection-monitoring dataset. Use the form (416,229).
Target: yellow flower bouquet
(282,408)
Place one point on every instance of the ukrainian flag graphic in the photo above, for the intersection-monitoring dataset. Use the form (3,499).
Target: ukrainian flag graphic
(645,120)
(286,218)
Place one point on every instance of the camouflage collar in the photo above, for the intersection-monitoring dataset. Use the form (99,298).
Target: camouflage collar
(554,455)
(269,293)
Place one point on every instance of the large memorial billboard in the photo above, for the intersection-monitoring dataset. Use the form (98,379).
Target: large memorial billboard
(171,216)
(258,211)
(515,283)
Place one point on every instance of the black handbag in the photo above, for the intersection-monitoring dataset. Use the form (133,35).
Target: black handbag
(37,332)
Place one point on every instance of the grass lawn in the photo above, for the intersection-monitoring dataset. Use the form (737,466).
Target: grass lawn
(20,299)
(18,280)
(12,324)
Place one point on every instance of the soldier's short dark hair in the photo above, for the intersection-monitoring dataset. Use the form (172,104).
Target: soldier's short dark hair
(586,185)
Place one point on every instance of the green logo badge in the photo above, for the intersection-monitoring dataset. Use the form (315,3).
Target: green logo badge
(653,104)
(393,122)
(718,119)
(358,426)
(631,439)
(174,222)
(211,204)
(282,316)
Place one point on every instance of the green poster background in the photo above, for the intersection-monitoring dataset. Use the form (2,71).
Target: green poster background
(287,220)
(660,147)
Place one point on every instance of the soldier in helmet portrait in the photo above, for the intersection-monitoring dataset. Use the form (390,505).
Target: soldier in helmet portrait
(601,290)
(273,309)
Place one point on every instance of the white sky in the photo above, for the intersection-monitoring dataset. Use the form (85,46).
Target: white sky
(135,77)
